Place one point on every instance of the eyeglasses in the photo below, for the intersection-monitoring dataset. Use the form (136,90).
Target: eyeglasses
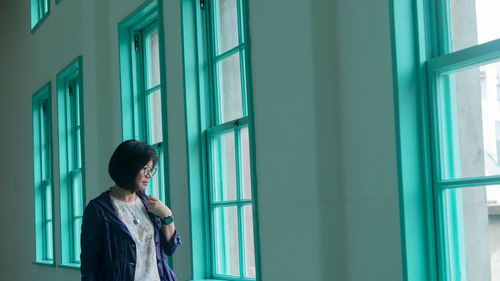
(147,170)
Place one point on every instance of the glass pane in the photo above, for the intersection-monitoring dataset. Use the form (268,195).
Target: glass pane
(474,225)
(474,22)
(249,243)
(155,182)
(44,138)
(48,200)
(152,60)
(226,25)
(49,249)
(77,103)
(468,114)
(78,148)
(246,176)
(226,242)
(77,193)
(154,118)
(224,167)
(76,239)
(230,98)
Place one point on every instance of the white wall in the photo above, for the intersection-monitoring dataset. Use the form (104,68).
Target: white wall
(324,117)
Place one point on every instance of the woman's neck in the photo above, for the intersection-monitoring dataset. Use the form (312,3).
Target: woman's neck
(123,194)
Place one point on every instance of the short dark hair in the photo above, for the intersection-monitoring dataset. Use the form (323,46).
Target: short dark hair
(128,159)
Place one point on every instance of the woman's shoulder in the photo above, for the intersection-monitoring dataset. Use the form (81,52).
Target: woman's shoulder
(102,202)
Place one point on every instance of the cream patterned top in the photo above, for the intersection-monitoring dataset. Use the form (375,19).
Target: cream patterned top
(135,217)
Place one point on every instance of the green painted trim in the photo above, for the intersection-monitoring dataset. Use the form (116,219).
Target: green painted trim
(195,85)
(39,23)
(201,111)
(468,182)
(215,204)
(411,49)
(35,16)
(233,278)
(48,264)
(44,93)
(134,89)
(130,67)
(163,92)
(251,134)
(73,71)
(228,126)
(465,58)
(229,53)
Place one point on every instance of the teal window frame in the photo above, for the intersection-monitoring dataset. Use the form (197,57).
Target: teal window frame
(71,160)
(43,176)
(135,91)
(40,10)
(430,204)
(204,125)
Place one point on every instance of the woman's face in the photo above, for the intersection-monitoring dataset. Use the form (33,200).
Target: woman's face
(143,176)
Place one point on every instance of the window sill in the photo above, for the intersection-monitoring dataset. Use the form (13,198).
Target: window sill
(228,279)
(45,263)
(75,266)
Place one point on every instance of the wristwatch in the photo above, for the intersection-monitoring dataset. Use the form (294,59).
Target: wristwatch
(168,220)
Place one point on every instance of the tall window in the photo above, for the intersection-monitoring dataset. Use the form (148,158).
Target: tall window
(44,193)
(142,86)
(459,44)
(71,161)
(39,11)
(225,177)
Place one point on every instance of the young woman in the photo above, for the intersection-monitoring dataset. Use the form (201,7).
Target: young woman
(127,235)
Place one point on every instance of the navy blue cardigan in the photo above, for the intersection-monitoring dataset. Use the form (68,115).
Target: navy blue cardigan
(108,250)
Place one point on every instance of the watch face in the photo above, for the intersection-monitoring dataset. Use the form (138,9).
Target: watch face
(168,220)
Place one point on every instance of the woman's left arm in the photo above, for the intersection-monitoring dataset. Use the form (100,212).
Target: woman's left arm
(155,206)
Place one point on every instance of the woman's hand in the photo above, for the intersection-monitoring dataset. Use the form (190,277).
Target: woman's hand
(155,206)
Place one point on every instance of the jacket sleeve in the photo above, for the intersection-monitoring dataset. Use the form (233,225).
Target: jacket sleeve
(170,246)
(91,243)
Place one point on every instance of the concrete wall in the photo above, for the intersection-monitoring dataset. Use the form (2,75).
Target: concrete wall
(324,117)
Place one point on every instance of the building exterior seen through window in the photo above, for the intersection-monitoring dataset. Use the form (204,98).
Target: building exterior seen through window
(465,112)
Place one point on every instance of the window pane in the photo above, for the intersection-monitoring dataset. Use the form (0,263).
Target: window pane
(230,98)
(249,243)
(48,200)
(227,25)
(154,118)
(152,60)
(49,249)
(77,193)
(245,164)
(77,226)
(473,219)
(224,167)
(468,113)
(226,241)
(474,22)
(44,139)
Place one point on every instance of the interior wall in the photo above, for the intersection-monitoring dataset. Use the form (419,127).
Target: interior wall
(324,119)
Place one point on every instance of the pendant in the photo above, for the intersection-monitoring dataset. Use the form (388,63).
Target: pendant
(136,221)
